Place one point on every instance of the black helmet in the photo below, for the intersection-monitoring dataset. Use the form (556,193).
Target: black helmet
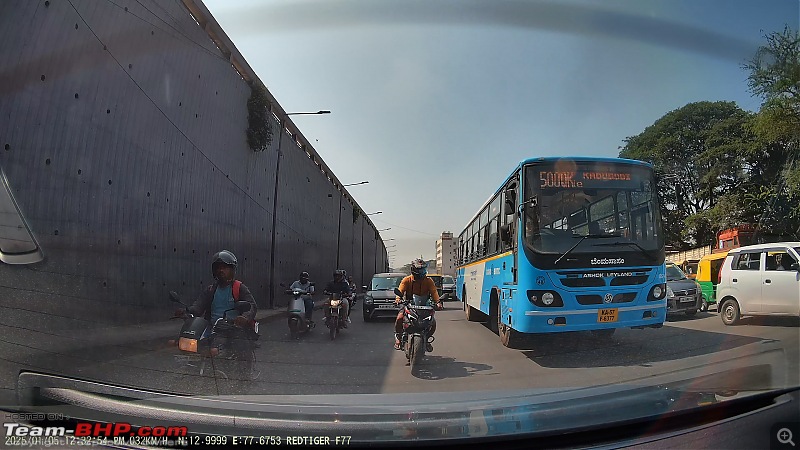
(338,272)
(419,268)
(224,257)
(304,275)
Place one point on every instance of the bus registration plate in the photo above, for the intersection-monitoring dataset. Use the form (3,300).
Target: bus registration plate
(607,315)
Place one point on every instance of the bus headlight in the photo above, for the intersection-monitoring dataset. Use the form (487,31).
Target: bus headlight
(544,299)
(657,292)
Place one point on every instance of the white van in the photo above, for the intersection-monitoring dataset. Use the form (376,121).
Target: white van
(760,280)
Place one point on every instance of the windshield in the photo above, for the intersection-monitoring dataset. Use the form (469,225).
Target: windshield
(543,154)
(385,283)
(674,273)
(568,200)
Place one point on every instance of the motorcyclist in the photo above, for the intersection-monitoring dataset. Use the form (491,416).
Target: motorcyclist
(353,290)
(217,299)
(304,285)
(417,283)
(339,285)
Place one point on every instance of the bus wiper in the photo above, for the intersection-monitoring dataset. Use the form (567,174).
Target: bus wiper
(588,236)
(628,243)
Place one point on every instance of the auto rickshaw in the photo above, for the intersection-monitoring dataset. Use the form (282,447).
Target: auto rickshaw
(708,277)
(689,267)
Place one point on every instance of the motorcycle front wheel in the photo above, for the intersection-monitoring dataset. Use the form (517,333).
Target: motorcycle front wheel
(416,351)
(334,326)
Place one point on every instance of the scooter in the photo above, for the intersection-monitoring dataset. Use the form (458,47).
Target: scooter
(297,314)
(197,350)
(334,314)
(417,320)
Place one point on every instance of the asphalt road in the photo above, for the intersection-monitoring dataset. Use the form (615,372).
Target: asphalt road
(468,356)
(759,353)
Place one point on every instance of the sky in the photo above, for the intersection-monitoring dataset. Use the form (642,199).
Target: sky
(435,102)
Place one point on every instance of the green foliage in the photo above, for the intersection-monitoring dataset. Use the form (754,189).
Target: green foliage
(719,166)
(356,213)
(698,152)
(259,122)
(775,77)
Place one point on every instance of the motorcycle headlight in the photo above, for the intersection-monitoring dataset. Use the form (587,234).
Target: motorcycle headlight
(547,298)
(187,345)
(335,303)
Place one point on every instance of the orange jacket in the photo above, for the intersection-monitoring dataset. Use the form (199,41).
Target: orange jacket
(422,287)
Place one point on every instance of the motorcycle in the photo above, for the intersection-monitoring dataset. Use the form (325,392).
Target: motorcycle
(297,314)
(198,342)
(334,314)
(417,320)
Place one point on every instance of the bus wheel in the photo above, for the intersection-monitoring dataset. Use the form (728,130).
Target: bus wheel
(471,313)
(605,333)
(494,317)
(509,337)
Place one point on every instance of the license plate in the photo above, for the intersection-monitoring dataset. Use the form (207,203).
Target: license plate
(607,315)
(687,300)
(385,307)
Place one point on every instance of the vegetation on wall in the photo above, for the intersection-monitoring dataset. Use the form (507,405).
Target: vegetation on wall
(259,122)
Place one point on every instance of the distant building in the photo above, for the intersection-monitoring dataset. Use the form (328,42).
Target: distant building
(446,254)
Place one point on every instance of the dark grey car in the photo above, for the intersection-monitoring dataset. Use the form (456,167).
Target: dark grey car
(379,299)
(683,294)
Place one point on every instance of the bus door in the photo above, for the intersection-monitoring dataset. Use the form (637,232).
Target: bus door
(510,220)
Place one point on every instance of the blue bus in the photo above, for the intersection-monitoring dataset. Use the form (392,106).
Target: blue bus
(566,244)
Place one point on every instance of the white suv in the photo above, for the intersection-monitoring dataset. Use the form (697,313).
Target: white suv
(760,280)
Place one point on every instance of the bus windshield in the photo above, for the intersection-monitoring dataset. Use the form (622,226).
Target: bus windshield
(611,207)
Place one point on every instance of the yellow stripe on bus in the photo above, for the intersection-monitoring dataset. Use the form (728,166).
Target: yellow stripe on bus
(486,260)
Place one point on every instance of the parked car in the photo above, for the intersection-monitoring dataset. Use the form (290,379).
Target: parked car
(683,295)
(760,280)
(379,299)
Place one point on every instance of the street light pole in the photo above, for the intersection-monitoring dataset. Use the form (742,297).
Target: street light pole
(281,124)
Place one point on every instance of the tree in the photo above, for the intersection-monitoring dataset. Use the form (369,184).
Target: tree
(698,152)
(775,77)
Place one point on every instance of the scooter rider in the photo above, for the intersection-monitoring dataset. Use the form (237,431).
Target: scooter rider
(340,286)
(218,298)
(303,284)
(417,283)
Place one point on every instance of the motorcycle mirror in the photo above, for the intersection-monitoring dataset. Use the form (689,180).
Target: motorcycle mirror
(174,296)
(282,285)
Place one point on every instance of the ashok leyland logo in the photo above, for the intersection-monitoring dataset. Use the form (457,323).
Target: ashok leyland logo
(606,261)
(608,298)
